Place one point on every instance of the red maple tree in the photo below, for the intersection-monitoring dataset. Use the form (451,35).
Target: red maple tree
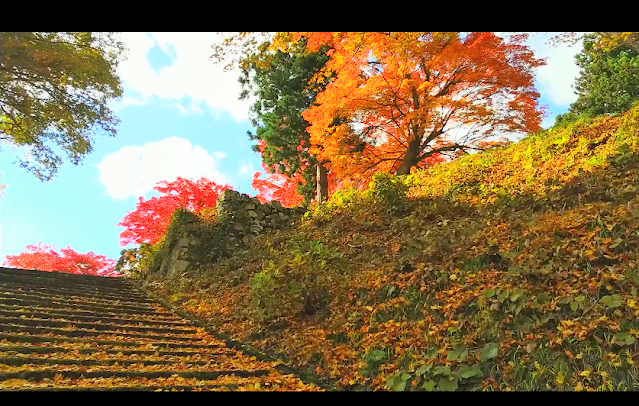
(151,218)
(277,186)
(43,257)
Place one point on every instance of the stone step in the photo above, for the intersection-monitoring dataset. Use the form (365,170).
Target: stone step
(65,374)
(36,322)
(80,332)
(71,294)
(119,294)
(12,350)
(17,361)
(135,388)
(51,278)
(72,305)
(19,338)
(17,311)
(43,298)
(62,331)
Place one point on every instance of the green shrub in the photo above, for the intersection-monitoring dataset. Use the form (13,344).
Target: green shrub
(138,262)
(298,284)
(390,189)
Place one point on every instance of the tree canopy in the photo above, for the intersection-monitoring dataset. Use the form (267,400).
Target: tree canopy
(602,40)
(401,99)
(54,90)
(43,257)
(151,218)
(280,82)
(608,81)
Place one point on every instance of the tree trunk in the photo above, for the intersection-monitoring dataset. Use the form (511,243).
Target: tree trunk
(322,183)
(410,158)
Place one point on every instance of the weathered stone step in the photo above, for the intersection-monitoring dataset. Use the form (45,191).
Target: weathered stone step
(51,374)
(17,311)
(93,301)
(60,275)
(60,278)
(36,290)
(77,332)
(8,350)
(88,333)
(44,298)
(72,305)
(78,289)
(97,326)
(17,361)
(246,383)
(69,287)
(17,338)
(135,388)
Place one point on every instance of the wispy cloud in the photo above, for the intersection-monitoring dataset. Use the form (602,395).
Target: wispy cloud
(246,168)
(134,170)
(556,79)
(192,74)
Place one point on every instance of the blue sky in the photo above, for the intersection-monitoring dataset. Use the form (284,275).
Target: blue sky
(179,117)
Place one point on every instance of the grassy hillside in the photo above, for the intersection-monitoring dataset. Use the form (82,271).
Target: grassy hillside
(513,269)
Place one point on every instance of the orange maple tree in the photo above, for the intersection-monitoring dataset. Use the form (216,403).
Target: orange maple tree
(43,257)
(399,100)
(148,223)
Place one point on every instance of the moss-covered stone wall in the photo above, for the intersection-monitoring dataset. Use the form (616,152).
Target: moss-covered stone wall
(238,219)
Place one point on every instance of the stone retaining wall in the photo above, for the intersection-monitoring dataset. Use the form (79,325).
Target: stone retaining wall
(240,218)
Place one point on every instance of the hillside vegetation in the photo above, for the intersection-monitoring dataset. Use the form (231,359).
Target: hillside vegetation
(512,269)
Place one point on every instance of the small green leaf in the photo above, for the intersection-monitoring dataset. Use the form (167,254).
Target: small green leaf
(624,339)
(445,384)
(429,385)
(459,352)
(432,353)
(423,369)
(476,369)
(445,370)
(488,293)
(615,243)
(377,355)
(398,382)
(490,351)
(573,305)
(611,301)
(400,386)
(464,372)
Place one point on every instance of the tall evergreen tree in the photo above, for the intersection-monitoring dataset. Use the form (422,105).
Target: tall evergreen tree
(281,83)
(608,82)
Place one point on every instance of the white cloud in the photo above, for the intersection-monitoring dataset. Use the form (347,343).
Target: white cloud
(246,168)
(134,170)
(555,79)
(192,74)
(127,101)
(181,108)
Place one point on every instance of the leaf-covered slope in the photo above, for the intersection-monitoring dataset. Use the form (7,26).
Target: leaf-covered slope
(511,269)
(72,332)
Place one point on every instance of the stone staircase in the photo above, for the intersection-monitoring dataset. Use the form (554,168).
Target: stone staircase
(61,331)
